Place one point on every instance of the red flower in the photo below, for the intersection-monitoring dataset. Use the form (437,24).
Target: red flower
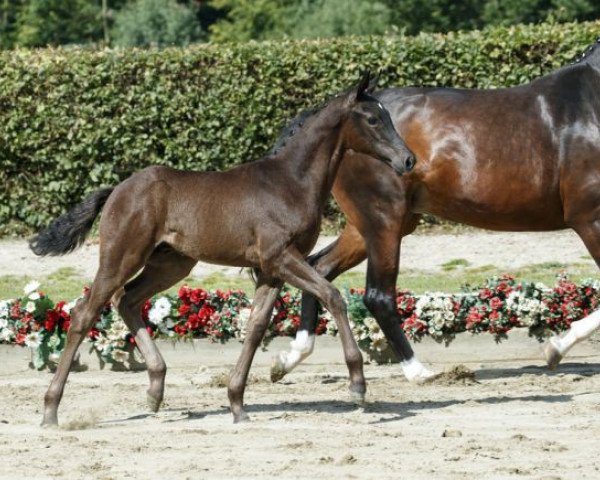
(198,295)
(205,312)
(15,311)
(485,293)
(145,309)
(193,322)
(184,310)
(180,329)
(496,303)
(51,320)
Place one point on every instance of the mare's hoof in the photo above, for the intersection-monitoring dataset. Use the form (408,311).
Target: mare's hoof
(241,417)
(277,369)
(358,398)
(153,403)
(553,356)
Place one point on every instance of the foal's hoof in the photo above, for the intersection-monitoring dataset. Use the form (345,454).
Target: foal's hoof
(358,398)
(241,417)
(49,424)
(153,403)
(277,369)
(553,356)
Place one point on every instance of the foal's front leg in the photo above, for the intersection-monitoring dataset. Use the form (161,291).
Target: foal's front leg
(294,269)
(262,307)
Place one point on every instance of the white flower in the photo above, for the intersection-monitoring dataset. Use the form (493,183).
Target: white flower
(6,335)
(118,330)
(67,307)
(3,322)
(438,321)
(34,296)
(160,310)
(30,307)
(33,340)
(101,343)
(378,342)
(243,318)
(54,357)
(119,355)
(371,324)
(31,287)
(4,308)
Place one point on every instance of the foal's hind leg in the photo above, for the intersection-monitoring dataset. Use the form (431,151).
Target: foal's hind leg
(558,347)
(164,268)
(346,252)
(293,269)
(108,279)
(262,307)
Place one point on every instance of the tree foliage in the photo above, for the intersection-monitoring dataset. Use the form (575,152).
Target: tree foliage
(155,23)
(76,119)
(58,22)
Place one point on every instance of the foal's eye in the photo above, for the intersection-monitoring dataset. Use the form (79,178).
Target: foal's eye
(372,120)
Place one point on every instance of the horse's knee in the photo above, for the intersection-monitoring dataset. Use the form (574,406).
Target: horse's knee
(378,302)
(335,302)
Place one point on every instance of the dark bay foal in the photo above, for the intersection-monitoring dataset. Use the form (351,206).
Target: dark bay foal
(162,221)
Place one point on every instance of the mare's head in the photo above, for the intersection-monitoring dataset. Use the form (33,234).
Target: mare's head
(369,129)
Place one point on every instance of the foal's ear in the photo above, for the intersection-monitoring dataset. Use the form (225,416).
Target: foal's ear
(373,83)
(363,85)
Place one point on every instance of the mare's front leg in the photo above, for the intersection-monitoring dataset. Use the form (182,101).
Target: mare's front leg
(294,269)
(380,299)
(558,347)
(266,293)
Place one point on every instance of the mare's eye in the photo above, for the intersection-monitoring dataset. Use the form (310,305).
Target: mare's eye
(372,120)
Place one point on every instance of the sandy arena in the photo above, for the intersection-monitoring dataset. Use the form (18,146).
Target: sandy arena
(515,420)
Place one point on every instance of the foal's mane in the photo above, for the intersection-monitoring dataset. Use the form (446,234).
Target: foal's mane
(296,124)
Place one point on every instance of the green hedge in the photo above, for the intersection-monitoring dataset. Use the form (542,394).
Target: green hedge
(72,120)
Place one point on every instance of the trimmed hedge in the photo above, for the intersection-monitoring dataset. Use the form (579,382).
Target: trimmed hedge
(72,120)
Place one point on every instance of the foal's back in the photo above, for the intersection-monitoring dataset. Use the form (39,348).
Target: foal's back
(214,217)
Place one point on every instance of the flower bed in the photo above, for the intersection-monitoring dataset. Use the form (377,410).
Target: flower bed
(495,307)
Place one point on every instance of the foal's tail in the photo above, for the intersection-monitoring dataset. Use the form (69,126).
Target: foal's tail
(68,231)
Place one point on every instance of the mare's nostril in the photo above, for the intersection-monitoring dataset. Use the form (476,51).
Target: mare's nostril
(410,163)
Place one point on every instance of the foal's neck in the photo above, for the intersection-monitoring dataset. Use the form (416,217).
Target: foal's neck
(314,153)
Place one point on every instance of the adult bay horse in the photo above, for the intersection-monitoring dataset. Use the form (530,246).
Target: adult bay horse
(265,215)
(514,159)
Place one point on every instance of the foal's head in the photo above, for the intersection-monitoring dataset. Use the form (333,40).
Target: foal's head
(368,129)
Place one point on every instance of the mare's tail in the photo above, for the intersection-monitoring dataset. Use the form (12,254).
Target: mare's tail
(68,231)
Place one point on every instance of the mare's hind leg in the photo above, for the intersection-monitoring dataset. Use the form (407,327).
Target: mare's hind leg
(164,268)
(558,347)
(266,293)
(110,276)
(346,252)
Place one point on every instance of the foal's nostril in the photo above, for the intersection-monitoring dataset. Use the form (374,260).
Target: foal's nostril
(409,163)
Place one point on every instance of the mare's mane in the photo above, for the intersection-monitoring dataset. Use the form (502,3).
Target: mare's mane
(588,54)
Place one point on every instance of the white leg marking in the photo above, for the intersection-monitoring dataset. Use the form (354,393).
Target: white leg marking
(301,347)
(580,330)
(415,371)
